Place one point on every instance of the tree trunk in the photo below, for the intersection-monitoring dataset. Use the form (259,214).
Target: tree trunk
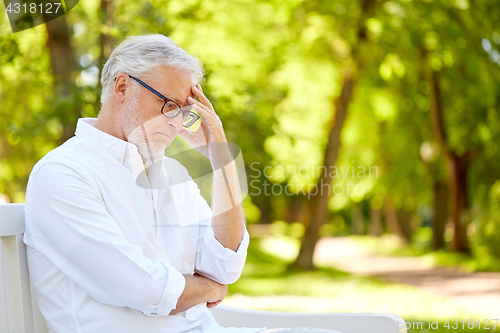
(456,165)
(263,202)
(319,202)
(375,223)
(294,207)
(63,64)
(440,214)
(105,39)
(405,224)
(357,223)
(5,146)
(457,170)
(106,15)
(393,222)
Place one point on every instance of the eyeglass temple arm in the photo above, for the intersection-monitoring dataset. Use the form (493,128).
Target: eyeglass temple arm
(149,88)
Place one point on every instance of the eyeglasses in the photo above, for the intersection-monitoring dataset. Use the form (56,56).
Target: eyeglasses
(171,109)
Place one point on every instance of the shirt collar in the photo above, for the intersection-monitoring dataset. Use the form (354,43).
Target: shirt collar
(122,151)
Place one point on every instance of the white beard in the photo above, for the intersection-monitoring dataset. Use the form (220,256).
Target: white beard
(149,149)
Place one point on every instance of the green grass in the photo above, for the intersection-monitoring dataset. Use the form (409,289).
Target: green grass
(268,284)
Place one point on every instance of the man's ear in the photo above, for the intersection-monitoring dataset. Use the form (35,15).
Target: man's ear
(120,87)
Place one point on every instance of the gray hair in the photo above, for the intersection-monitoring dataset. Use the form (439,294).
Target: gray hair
(141,56)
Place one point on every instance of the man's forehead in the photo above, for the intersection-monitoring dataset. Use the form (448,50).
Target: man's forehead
(177,83)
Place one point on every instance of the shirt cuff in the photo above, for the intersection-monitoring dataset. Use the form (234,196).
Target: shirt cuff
(225,254)
(173,290)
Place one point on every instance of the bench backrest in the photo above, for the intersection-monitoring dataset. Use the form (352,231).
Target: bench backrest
(18,308)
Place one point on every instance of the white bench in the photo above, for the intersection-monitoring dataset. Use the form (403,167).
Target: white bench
(19,312)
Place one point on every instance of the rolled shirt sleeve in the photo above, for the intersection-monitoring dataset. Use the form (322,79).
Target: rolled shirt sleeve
(67,221)
(220,263)
(213,260)
(173,290)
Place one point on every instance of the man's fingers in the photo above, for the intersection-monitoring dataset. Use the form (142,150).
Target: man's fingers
(203,102)
(205,112)
(198,93)
(199,105)
(211,305)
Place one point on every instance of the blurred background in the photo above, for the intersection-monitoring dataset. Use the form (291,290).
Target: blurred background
(370,131)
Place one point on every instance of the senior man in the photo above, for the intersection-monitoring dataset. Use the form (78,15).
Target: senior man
(109,253)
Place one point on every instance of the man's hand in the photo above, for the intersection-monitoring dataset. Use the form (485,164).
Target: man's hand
(212,304)
(220,291)
(211,126)
(200,289)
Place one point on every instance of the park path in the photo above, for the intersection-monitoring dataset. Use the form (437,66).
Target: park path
(478,291)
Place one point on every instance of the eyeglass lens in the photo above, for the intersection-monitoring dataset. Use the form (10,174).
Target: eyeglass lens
(171,110)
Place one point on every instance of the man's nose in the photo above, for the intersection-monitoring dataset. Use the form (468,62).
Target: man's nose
(177,121)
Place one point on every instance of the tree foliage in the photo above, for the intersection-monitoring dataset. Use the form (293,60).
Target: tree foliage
(274,70)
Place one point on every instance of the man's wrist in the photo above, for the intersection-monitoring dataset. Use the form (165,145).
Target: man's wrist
(211,287)
(221,137)
(220,155)
(206,285)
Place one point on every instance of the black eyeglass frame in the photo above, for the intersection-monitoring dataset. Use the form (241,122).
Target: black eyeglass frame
(165,101)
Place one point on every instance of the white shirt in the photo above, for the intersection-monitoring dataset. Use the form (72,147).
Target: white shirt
(108,255)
